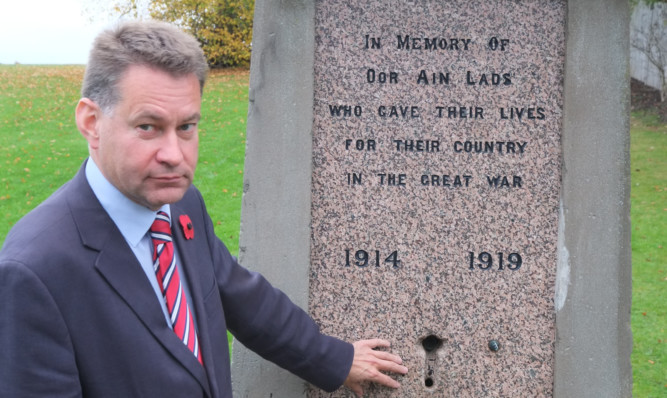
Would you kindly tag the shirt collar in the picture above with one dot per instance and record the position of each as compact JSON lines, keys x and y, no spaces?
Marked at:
{"x":132,"y":219}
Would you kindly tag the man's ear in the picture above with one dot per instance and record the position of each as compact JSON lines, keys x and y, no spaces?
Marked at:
{"x":88,"y":120}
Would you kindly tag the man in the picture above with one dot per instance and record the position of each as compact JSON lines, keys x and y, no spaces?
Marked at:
{"x":116,"y":285}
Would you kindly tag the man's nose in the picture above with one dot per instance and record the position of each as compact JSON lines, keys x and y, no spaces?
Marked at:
{"x":170,"y":151}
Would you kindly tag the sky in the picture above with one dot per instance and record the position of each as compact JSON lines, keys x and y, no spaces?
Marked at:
{"x":47,"y":31}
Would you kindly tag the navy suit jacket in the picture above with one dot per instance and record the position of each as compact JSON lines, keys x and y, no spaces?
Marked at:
{"x":78,"y":317}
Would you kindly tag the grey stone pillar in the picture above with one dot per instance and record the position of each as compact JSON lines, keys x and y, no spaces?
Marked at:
{"x":594,"y":340}
{"x":275,"y":217}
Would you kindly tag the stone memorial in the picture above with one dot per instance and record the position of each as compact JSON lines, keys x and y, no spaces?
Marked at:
{"x":450,"y":176}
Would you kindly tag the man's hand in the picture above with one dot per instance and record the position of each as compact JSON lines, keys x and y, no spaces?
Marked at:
{"x":368,"y":365}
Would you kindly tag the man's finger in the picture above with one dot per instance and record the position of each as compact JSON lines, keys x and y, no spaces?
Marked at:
{"x":387,"y":356}
{"x":393,"y":367}
{"x":369,"y":365}
{"x":383,"y":379}
{"x":374,"y":343}
{"x":356,"y":389}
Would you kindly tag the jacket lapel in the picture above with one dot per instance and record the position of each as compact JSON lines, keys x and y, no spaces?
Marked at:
{"x":120,"y":269}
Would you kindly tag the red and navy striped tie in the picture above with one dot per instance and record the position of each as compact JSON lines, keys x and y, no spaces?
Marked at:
{"x":169,"y":280}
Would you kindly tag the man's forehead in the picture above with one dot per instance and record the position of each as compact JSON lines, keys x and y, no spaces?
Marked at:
{"x":145,"y":81}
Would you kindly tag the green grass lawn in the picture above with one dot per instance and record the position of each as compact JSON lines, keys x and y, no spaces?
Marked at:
{"x":649,"y":255}
{"x":40,"y":149}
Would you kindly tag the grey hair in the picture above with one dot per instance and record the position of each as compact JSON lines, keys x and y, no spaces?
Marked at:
{"x":148,"y":43}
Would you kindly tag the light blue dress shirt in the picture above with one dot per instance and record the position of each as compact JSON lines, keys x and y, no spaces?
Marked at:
{"x":134,"y":220}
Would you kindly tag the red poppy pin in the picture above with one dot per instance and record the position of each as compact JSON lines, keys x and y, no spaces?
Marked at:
{"x":186,"y":225}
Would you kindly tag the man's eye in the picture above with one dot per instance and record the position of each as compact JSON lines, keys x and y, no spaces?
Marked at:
{"x":188,"y":126}
{"x":145,"y":127}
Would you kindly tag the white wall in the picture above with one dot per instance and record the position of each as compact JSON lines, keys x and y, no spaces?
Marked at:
{"x":640,"y":67}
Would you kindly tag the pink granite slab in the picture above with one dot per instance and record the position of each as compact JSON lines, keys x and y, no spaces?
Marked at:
{"x":419,"y":207}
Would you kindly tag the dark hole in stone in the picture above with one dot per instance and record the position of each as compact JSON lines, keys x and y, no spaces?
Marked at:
{"x":431,"y":343}
{"x":428,"y":382}
{"x":494,"y":345}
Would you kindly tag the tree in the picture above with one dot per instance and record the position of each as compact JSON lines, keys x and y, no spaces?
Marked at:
{"x":222,"y":27}
{"x":651,"y":40}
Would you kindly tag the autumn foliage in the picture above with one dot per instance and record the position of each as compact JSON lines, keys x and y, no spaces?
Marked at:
{"x":223,"y":27}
